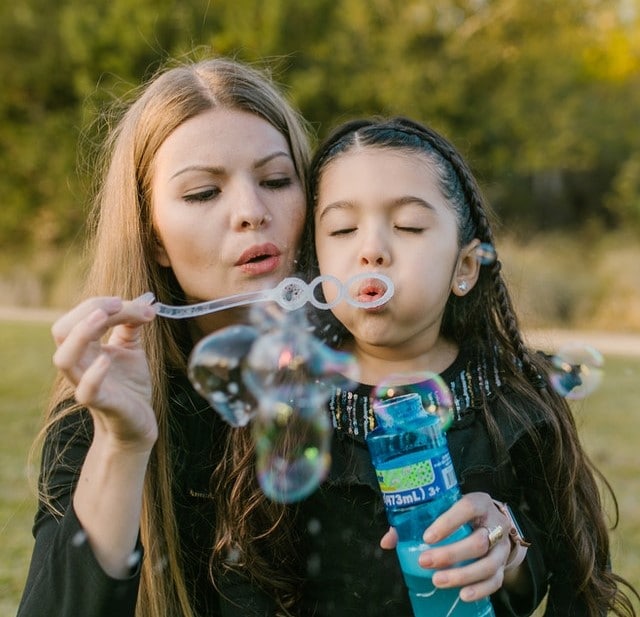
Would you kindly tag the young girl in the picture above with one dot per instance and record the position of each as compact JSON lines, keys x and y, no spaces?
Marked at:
{"x":145,"y":492}
{"x":396,"y":198}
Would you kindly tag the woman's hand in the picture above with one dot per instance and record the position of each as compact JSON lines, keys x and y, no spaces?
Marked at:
{"x":111,"y":378}
{"x":485,"y":575}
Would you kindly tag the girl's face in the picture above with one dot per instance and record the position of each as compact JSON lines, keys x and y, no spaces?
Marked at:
{"x":228,"y":206}
{"x":382,"y":210}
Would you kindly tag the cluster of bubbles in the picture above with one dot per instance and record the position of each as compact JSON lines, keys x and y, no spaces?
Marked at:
{"x":277,"y":377}
{"x":577,"y":371}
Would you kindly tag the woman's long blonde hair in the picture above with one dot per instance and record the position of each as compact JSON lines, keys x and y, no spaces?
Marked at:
{"x":122,"y":263}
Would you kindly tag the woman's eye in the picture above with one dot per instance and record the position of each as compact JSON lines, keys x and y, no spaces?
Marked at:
{"x":277,"y":183}
{"x":204,"y":195}
{"x":411,"y":230}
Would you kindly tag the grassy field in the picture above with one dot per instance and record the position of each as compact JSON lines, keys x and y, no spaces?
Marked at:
{"x":610,"y":431}
{"x":25,"y":362}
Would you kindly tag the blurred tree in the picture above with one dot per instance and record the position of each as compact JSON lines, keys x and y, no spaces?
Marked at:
{"x":542,"y":97}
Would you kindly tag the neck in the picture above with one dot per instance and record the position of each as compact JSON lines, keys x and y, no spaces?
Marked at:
{"x":377,"y":363}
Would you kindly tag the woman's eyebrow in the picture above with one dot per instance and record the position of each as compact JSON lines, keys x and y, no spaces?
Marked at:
{"x":264,"y":160}
{"x":215,"y":171}
{"x":219,"y":171}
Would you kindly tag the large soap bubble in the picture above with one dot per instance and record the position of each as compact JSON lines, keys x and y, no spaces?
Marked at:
{"x":215,"y":370}
{"x":433,"y":391}
{"x":292,"y":375}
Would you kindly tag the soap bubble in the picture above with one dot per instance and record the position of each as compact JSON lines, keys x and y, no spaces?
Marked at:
{"x":433,"y":391}
{"x":79,"y":538}
{"x":289,"y":361}
{"x":576,"y":371}
{"x":486,"y":253}
{"x":293,"y":374}
{"x":292,"y":449}
{"x":215,"y":370}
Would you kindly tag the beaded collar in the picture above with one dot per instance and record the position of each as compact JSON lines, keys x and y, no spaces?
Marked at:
{"x":472,"y":379}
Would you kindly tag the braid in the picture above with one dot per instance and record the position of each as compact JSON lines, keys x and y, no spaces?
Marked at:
{"x":474,"y":223}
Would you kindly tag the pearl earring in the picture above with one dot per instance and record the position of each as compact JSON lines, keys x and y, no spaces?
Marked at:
{"x":462,"y":286}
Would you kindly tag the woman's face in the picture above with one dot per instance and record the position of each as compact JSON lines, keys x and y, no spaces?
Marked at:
{"x":228,"y":206}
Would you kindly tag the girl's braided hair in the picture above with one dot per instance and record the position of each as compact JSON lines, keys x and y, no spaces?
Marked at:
{"x":485,"y":320}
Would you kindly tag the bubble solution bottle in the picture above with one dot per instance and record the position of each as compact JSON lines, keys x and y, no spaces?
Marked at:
{"x":413,"y":465}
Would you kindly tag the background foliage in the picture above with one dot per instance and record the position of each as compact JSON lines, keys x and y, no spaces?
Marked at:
{"x":542,"y":97}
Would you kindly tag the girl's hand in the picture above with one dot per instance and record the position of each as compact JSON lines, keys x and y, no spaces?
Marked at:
{"x":111,"y":378}
{"x":485,"y":575}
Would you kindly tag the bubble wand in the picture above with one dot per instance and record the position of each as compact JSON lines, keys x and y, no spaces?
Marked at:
{"x":291,"y":293}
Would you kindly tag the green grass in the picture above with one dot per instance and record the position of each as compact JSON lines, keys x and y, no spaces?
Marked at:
{"x":610,"y":430}
{"x":607,"y":421}
{"x":27,"y":371}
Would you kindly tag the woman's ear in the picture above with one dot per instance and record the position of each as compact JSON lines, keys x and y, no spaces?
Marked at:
{"x":467,"y":269}
{"x":159,"y":252}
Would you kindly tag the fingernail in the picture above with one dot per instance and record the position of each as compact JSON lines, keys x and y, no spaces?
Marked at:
{"x":146,"y":298}
{"x":113,"y":303}
{"x":149,"y":311}
{"x":97,"y":317}
{"x":429,"y":536}
{"x":425,"y":561}
{"x":467,"y":594}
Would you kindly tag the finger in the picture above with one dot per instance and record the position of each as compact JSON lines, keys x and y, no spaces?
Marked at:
{"x":473,"y":547}
{"x":65,"y":324}
{"x":485,"y":574}
{"x":88,"y":388}
{"x":390,"y":539}
{"x":132,"y":317}
{"x":480,"y":586}
{"x":71,"y":355}
{"x":465,"y":510}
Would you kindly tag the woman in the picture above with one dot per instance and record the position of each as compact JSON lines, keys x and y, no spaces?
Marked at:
{"x":202,"y":196}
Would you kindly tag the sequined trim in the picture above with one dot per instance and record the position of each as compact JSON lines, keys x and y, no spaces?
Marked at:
{"x":471,"y":382}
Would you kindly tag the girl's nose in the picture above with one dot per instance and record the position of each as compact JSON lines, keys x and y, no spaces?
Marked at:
{"x":375,"y":253}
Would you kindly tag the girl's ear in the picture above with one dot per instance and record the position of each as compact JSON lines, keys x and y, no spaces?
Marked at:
{"x":467,"y":269}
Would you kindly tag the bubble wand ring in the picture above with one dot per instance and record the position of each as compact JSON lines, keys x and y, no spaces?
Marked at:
{"x":291,"y":293}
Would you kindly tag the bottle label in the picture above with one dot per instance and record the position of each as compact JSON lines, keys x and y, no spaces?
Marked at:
{"x":418,"y":482}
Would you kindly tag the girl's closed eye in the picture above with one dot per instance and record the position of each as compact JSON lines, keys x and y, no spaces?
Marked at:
{"x":342,"y":231}
{"x":410,"y":229}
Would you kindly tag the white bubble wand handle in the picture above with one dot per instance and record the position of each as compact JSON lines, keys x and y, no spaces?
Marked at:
{"x":291,"y":293}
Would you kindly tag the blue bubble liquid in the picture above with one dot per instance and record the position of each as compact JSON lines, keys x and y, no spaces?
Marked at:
{"x":410,"y":454}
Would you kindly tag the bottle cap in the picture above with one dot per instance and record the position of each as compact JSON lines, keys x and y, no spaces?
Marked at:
{"x":398,"y":409}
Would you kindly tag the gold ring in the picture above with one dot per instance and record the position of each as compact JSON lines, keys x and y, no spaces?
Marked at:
{"x":494,"y":535}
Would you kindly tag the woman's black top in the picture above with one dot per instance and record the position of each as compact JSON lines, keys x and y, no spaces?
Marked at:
{"x":345,"y":572}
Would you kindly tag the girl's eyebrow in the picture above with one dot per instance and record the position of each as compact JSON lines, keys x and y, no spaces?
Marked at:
{"x":412,"y":199}
{"x":396,"y":203}
{"x":336,"y":205}
{"x":219,"y":171}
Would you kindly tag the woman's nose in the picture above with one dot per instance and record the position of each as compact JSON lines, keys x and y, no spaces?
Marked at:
{"x":249,"y":211}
